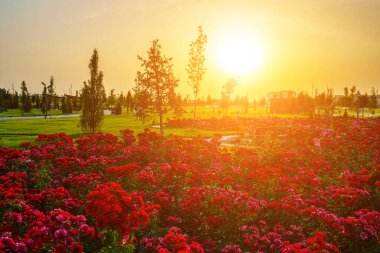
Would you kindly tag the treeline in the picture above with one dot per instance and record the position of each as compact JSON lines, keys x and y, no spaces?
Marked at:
{"x":321,"y":103}
{"x":44,"y":101}
{"x":324,"y":103}
{"x":353,"y":99}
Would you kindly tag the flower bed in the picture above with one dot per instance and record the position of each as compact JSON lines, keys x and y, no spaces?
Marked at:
{"x":316,"y":188}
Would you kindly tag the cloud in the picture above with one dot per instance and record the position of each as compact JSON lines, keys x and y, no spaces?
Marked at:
{"x":94,"y":14}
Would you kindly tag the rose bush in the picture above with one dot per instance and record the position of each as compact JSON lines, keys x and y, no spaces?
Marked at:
{"x":287,"y":185}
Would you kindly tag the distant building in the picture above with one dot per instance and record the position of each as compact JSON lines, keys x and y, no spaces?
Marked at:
{"x":282,"y":94}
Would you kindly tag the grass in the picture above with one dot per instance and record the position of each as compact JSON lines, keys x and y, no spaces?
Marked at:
{"x":352,"y":112}
{"x":33,"y":112}
{"x":13,"y":132}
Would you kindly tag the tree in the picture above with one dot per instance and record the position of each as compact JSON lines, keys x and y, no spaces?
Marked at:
{"x":25,"y":104}
{"x":325,"y":102}
{"x":363,"y":102}
{"x":5,"y":99}
{"x":155,"y":84}
{"x":48,"y":94}
{"x":177,"y":106}
{"x":64,"y":107}
{"x":353,"y":96}
{"x":373,"y":100}
{"x":92,"y":98}
{"x":76,"y":104}
{"x":129,"y":101}
{"x":346,"y":101}
{"x":196,"y":68}
{"x":111,"y":100}
{"x":69,"y":106}
{"x":329,"y":102}
{"x":37,"y":100}
{"x":227,"y":90}
{"x":245,"y":103}
{"x":15,"y":98}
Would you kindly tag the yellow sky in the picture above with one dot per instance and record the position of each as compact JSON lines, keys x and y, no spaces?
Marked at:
{"x":324,"y":43}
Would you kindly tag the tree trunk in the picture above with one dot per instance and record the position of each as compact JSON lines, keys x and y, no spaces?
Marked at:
{"x":195,"y":104}
{"x":161,"y":126}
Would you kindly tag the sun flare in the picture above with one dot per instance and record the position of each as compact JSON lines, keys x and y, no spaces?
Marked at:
{"x":239,"y":53}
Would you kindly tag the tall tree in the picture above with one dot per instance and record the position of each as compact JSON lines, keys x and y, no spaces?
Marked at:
{"x":5,"y":99}
{"x":64,"y":107}
{"x":156,"y":82}
{"x":373,"y":100}
{"x":196,"y":66}
{"x":118,"y":109}
{"x":15,"y":99}
{"x":48,"y":94}
{"x":69,"y":106}
{"x":129,"y":101}
{"x":346,"y":100}
{"x":111,"y":99}
{"x":329,"y":102}
{"x":25,"y":103}
{"x":93,"y":94}
{"x":353,"y":96}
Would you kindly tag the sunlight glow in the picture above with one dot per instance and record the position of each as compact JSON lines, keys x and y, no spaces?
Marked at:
{"x":239,"y":53}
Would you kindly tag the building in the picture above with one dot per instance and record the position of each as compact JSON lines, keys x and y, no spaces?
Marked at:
{"x":281,"y":94}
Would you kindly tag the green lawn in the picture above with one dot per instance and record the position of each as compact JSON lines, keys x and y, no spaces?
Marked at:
{"x":33,"y":112}
{"x":13,"y":132}
{"x":352,"y":112}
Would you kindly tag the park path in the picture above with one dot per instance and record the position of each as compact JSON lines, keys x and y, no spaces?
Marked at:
{"x":41,"y":117}
{"x":225,"y":140}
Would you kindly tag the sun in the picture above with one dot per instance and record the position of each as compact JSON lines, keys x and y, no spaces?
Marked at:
{"x":239,"y":53}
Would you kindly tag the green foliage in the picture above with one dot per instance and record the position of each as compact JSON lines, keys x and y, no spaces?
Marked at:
{"x":25,"y":104}
{"x":115,"y":243}
{"x":111,"y":99}
{"x":5,"y":99}
{"x":48,"y":94}
{"x":325,"y":102}
{"x":15,"y":98}
{"x":155,"y":84}
{"x":129,"y":101}
{"x":373,"y":99}
{"x":117,"y":109}
{"x":64,"y":107}
{"x":196,"y":66}
{"x":92,"y":98}
{"x":69,"y":106}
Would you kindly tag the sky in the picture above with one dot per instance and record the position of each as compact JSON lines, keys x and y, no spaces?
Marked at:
{"x":305,"y":44}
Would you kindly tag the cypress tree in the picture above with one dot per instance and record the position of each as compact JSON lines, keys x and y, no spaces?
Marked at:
{"x":92,"y":98}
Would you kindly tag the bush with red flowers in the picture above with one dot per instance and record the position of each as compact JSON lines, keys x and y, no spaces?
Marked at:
{"x":285,"y":185}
